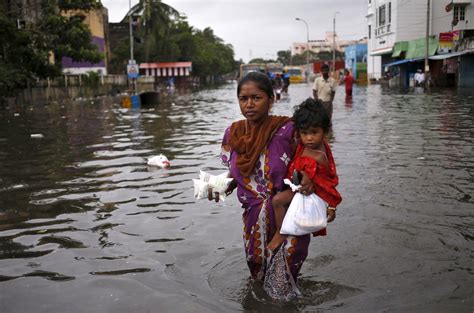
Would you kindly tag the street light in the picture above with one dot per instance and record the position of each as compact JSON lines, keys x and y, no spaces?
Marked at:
{"x":307,"y":41}
{"x":334,"y":42}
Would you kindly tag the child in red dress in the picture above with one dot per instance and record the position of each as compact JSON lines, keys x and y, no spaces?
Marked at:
{"x":313,"y":160}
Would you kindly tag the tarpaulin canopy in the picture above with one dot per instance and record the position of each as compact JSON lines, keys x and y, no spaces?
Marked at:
{"x":400,"y":46}
{"x":417,"y":47}
{"x":448,"y":55}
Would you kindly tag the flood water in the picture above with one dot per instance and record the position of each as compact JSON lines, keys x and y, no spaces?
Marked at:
{"x":87,"y":226}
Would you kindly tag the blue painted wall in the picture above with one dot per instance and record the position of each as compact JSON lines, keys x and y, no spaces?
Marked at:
{"x":355,"y":54}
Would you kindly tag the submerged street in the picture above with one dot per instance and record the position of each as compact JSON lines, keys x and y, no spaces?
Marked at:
{"x":84,"y":222}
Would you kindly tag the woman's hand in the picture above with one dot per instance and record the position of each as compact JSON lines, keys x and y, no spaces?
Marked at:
{"x":212,"y":195}
{"x":331,"y":214}
{"x":307,"y":185}
{"x":230,"y":189}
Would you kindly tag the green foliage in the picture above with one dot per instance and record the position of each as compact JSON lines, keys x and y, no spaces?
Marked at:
{"x":25,"y":53}
{"x":285,"y":57}
{"x":165,"y":36}
{"x":91,"y":79}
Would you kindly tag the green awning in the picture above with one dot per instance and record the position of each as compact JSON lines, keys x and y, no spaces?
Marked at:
{"x":417,"y":47}
{"x":401,"y":46}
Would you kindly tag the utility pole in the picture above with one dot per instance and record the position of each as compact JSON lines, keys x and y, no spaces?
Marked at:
{"x":131,"y":29}
{"x":427,"y":42}
{"x":334,"y":43}
{"x":307,"y":43}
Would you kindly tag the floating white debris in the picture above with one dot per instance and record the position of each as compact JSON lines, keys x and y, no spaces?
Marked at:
{"x":173,"y":104}
{"x":421,"y":158}
{"x":16,"y":114}
{"x":37,"y":136}
{"x":159,"y":160}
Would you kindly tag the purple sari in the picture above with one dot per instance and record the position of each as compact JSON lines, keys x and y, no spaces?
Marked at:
{"x":256,"y":193}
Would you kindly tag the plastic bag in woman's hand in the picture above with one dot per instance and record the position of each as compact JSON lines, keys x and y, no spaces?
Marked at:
{"x":218,"y":183}
{"x":201,"y":189}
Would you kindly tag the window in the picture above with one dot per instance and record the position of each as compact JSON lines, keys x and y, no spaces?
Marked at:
{"x":370,"y":31}
{"x":382,"y":15}
{"x":389,"y":12}
{"x":459,"y":13}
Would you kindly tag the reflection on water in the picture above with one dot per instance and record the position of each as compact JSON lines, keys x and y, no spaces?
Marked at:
{"x":83,"y":218}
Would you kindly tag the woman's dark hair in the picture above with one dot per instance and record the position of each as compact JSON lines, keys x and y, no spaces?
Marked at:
{"x":311,"y":113}
{"x":261,"y":80}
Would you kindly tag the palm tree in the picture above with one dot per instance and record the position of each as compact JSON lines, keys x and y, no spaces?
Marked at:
{"x":155,"y":18}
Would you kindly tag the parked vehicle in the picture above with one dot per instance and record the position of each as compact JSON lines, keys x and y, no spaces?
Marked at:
{"x":253,"y":67}
{"x":296,"y":74}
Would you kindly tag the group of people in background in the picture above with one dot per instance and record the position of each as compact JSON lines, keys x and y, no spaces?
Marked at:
{"x":280,"y":83}
{"x":324,"y":87}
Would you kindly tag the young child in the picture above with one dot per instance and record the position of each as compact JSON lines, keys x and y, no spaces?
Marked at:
{"x":313,"y":160}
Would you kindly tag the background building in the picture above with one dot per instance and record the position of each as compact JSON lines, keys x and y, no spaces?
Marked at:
{"x":355,"y":58}
{"x":323,"y":45}
{"x":97,"y":20}
{"x":397,"y":40}
{"x":26,"y":12}
{"x":389,"y":21}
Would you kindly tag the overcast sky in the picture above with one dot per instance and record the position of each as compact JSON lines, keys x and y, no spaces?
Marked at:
{"x":260,"y":28}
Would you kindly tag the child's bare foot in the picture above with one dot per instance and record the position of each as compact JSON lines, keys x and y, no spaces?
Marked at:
{"x":276,"y":241}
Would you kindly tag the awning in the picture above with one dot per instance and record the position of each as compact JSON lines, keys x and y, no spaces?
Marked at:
{"x":400,"y":46}
{"x":381,"y":51}
{"x":417,"y":47}
{"x":399,"y":62}
{"x":448,"y":55}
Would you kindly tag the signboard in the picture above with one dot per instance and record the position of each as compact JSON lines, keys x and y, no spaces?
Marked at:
{"x":132,"y":69}
{"x":445,"y":44}
{"x":447,"y":41}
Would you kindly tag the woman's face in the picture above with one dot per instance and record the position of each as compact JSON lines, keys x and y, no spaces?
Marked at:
{"x":254,"y":103}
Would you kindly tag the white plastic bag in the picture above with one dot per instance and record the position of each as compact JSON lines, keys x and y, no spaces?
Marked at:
{"x":306,"y":214}
{"x":218,"y":183}
{"x":200,"y":189}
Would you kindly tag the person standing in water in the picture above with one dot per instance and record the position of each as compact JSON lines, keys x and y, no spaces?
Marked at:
{"x":258,"y":150}
{"x":324,"y":89}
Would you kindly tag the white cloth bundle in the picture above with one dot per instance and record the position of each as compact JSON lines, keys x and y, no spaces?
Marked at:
{"x":306,"y":214}
{"x":218,"y":183}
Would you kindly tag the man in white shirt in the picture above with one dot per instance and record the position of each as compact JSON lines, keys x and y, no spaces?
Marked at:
{"x":419,"y":78}
{"x":324,"y":89}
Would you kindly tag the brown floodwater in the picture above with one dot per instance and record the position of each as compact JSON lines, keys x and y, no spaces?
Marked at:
{"x":87,"y":226}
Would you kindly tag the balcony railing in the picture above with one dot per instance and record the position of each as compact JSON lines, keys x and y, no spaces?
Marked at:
{"x":383,"y":30}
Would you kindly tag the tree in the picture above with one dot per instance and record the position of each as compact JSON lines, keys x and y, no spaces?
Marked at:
{"x":284,"y":56}
{"x":26,"y":53}
{"x":155,"y":22}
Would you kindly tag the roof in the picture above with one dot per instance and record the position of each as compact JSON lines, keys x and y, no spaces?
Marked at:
{"x":399,"y":62}
{"x":417,"y":47}
{"x":166,"y":65}
{"x":449,"y":55}
{"x":399,"y":47}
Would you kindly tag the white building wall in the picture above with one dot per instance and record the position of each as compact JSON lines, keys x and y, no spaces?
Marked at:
{"x":441,"y":20}
{"x":405,"y":20}
{"x":411,"y":19}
